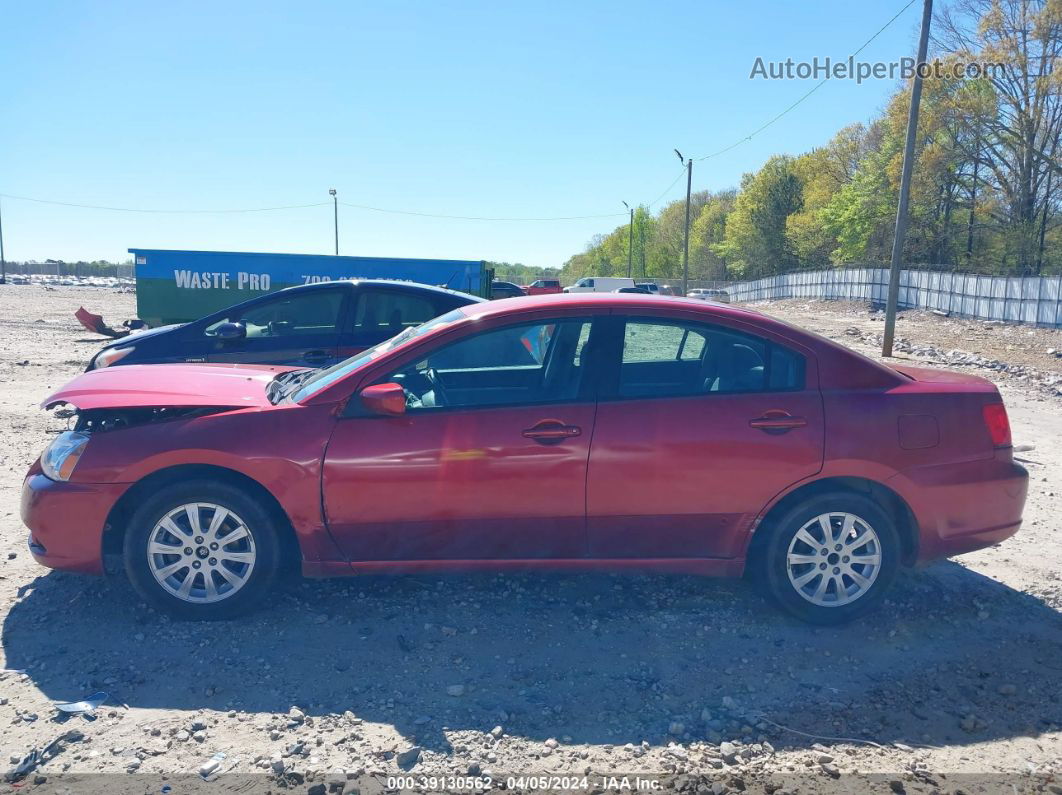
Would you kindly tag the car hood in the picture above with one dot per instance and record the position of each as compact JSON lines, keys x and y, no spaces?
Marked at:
{"x":168,"y":385}
{"x":138,"y":336}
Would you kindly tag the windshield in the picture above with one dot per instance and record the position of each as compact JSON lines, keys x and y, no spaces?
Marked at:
{"x":325,"y":378}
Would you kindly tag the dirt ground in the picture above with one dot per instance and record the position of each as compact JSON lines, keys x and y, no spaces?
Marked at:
{"x":956,"y":685}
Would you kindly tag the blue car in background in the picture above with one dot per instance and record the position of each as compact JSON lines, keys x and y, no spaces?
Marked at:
{"x":313,"y":325}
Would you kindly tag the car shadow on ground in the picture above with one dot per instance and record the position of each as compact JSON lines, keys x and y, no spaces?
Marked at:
{"x":952,"y":658}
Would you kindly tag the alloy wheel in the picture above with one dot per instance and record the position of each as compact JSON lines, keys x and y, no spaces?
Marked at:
{"x":834,"y":559}
{"x":201,"y":552}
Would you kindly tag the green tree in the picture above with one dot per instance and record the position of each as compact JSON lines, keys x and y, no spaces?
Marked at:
{"x":756,"y":242}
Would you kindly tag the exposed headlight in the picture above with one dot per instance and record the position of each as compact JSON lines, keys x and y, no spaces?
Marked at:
{"x":61,"y":456}
{"x":108,"y":357}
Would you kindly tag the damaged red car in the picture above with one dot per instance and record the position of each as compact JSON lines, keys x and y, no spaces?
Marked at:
{"x":575,"y":431}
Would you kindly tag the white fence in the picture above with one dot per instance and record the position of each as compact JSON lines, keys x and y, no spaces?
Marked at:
{"x":1019,"y":299}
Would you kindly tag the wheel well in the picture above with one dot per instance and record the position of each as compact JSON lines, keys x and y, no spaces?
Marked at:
{"x":118,"y":518}
{"x":889,"y":500}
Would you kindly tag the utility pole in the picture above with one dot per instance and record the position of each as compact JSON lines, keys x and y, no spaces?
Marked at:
{"x":686,"y":233}
{"x":630,"y":240}
{"x":905,"y":184}
{"x":335,"y":208}
{"x":3,"y":262}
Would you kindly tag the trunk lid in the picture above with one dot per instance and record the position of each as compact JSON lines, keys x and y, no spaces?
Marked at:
{"x":930,"y":375}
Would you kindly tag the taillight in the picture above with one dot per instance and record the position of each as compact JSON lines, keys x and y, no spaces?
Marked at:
{"x":997,"y":423}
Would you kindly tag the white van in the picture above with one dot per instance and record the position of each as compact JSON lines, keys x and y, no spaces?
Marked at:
{"x":599,"y":284}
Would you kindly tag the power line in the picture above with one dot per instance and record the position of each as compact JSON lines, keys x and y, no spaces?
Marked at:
{"x":666,"y":190}
{"x":158,"y":211}
{"x":756,"y":132}
{"x":296,"y":207}
{"x":476,"y":217}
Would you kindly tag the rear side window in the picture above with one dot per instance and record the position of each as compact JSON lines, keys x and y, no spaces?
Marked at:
{"x":391,"y":311}
{"x":786,"y":370}
{"x":662,"y":359}
{"x":647,"y":342}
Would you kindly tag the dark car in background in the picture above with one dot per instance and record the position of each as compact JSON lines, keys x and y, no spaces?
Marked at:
{"x":499,"y":289}
{"x":313,"y":325}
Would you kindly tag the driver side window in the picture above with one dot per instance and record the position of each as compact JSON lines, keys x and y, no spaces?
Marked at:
{"x":312,"y":312}
{"x":516,"y":365}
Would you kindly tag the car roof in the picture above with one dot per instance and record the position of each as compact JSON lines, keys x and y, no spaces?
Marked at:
{"x":389,"y":283}
{"x":573,"y":301}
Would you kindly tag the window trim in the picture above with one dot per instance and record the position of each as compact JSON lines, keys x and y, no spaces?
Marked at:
{"x":609,"y":385}
{"x":588,"y":386}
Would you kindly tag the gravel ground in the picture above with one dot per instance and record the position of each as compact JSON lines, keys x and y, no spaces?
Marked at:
{"x":955,"y":685}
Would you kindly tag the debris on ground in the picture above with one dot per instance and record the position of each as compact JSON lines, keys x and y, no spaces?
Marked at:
{"x":85,"y":708}
{"x":39,"y":756}
{"x":95,"y":324}
{"x":211,"y":767}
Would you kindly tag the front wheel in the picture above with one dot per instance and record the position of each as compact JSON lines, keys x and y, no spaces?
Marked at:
{"x":831,"y":558}
{"x":201,"y":550}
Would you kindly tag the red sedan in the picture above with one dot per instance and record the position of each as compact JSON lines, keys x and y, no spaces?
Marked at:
{"x":588,"y":430}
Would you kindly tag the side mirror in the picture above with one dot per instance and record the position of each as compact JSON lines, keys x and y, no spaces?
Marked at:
{"x":386,"y":399}
{"x":231,"y":331}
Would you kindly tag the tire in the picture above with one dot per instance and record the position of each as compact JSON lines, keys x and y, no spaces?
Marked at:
{"x":793,"y":569}
{"x":240,"y":556}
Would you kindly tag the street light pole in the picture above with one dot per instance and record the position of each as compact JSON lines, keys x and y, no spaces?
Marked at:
{"x":905,"y":185}
{"x":335,"y":208}
{"x":630,"y":240}
{"x":686,"y":233}
{"x":3,"y":262}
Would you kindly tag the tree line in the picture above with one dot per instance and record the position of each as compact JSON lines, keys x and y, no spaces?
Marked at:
{"x":986,"y":191}
{"x":58,"y":267}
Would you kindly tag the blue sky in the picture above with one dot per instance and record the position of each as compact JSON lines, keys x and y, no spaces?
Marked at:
{"x":459,"y":108}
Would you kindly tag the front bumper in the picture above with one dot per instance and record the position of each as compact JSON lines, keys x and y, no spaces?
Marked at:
{"x":964,"y":507}
{"x":66,"y":521}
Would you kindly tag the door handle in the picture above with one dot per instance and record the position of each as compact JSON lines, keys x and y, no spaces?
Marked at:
{"x":551,"y":431}
{"x":315,"y":356}
{"x":777,"y":422}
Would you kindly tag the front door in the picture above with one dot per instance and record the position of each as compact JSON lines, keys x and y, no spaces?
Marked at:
{"x":488,"y":462}
{"x":699,"y":428}
{"x":300,"y":330}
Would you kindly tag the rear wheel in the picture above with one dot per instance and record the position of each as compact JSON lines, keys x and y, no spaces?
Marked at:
{"x":831,"y":558}
{"x":201,"y":550}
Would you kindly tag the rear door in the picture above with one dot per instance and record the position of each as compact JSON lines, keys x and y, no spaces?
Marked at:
{"x":698,"y":427}
{"x":380,"y":313}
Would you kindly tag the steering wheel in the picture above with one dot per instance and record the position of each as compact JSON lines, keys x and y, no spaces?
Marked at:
{"x":437,"y":388}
